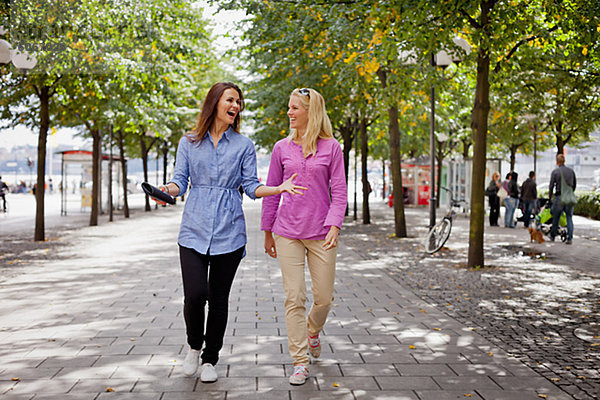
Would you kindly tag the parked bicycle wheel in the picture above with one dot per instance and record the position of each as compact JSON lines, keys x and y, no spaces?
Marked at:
{"x":438,"y":235}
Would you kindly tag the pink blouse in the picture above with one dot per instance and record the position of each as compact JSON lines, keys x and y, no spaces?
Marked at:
{"x":307,"y":216}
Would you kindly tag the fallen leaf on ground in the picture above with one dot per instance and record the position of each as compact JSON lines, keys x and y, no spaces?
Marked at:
{"x":411,"y":347}
{"x":16,"y":379}
{"x":335,"y":384}
{"x":108,"y":389}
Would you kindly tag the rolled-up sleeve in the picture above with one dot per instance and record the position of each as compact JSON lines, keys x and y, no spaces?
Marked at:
{"x":249,"y":180}
{"x":339,"y":190}
{"x":271,"y":203}
{"x":181,"y":175}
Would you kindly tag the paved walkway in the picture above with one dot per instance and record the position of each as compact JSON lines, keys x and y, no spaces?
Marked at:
{"x":101,"y":319}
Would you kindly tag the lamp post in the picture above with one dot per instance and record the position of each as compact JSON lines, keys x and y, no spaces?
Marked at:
{"x":20,"y":59}
{"x":440,"y":59}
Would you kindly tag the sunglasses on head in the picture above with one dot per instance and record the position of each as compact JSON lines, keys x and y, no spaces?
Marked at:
{"x":304,"y":92}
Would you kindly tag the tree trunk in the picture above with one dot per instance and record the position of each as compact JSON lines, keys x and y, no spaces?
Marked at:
{"x":145,"y":151}
{"x":366,"y":187}
{"x":347,"y":136}
{"x":479,"y":126}
{"x":560,"y":143}
{"x":44,"y":96}
{"x":394,"y":142}
{"x":513,"y":157}
{"x":165,"y":153}
{"x":123,"y":173}
{"x":383,"y":179}
{"x":96,"y":171}
{"x":466,"y":146}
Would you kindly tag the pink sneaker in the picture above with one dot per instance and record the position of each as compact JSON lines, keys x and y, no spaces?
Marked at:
{"x":314,"y":346}
{"x":299,"y":376}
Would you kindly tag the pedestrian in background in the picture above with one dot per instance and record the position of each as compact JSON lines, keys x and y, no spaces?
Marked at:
{"x":561,"y":174}
{"x":529,"y":197}
{"x":3,"y":192}
{"x":216,"y":160}
{"x":511,"y":202}
{"x":306,"y":228}
{"x":492,"y":194}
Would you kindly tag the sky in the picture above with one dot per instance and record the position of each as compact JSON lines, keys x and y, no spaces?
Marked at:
{"x":222,"y":23}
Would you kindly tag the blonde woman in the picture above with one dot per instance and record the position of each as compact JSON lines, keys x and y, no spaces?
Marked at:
{"x":492,"y":194}
{"x":306,"y":228}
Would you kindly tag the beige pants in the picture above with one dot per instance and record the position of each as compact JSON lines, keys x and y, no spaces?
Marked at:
{"x":291,"y":254}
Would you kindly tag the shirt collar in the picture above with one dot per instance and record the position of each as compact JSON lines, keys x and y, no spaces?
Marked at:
{"x":229,"y":131}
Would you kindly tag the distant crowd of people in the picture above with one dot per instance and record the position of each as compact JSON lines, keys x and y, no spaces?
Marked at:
{"x":560,"y":198}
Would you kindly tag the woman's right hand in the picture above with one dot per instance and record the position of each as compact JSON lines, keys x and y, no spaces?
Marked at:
{"x":290,"y":187}
{"x":270,"y":245}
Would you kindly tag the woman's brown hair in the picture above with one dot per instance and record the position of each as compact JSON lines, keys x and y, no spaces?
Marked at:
{"x":207,"y":115}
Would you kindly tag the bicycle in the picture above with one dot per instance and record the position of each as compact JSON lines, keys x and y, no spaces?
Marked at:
{"x":439,"y":234}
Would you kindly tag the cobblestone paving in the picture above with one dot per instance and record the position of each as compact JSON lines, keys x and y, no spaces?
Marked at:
{"x":524,"y":302}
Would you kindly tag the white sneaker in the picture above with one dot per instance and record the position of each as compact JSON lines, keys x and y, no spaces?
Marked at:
{"x":209,"y":373}
{"x":190,"y":364}
{"x":299,"y":376}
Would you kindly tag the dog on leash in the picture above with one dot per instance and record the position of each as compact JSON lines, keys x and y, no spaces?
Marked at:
{"x":535,"y":235}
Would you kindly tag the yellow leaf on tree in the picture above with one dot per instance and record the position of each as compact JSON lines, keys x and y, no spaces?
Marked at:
{"x":371,"y":66}
{"x":350,"y":58}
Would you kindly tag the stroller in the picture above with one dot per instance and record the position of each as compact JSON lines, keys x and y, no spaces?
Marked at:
{"x":543,"y":220}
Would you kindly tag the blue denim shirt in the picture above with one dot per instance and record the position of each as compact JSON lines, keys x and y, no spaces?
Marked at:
{"x":213,"y":220}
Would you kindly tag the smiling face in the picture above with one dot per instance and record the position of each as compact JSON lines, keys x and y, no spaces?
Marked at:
{"x":298,"y":114}
{"x":228,"y":107}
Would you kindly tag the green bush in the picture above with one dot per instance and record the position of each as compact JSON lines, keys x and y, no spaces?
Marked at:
{"x":588,"y":205}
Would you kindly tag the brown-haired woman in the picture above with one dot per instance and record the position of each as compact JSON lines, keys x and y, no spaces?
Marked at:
{"x":214,"y":160}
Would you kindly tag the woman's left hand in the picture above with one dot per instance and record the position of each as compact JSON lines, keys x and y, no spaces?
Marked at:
{"x":331,"y":240}
{"x":290,"y":187}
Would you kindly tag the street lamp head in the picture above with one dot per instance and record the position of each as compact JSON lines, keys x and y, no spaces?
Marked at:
{"x":23,"y":60}
{"x":408,"y":57}
{"x":442,"y":59}
{"x":463,"y":44}
{"x":5,"y":52}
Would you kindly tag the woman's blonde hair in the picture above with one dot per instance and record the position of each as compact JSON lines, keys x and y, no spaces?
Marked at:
{"x":318,"y":126}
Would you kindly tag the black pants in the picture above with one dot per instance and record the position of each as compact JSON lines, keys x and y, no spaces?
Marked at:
{"x":3,"y":201}
{"x":207,"y":278}
{"x":494,"y":210}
